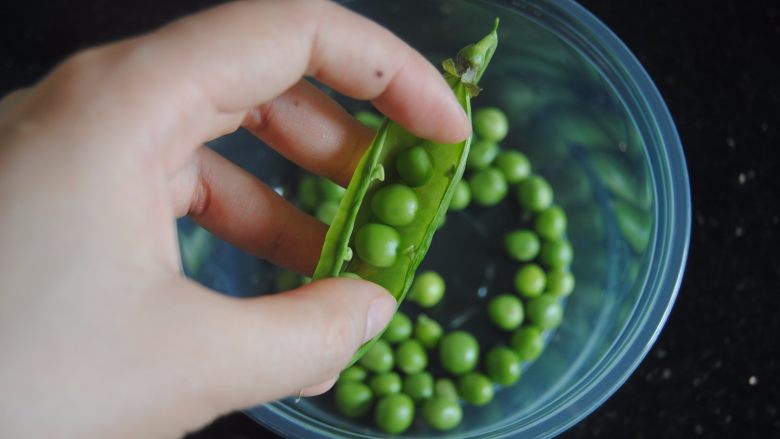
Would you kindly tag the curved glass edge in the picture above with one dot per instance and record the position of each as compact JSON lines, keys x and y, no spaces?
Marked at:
{"x":273,"y":422}
{"x":675,"y":211}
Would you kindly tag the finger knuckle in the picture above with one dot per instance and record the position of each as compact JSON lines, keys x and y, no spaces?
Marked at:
{"x":80,"y":67}
{"x":258,"y":119}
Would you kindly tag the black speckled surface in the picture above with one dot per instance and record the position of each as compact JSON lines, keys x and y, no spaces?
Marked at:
{"x":714,"y":370}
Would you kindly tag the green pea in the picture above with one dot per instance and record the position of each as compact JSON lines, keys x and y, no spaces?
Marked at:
{"x":506,"y":311}
{"x":442,"y":221}
{"x":427,"y":289}
{"x":353,"y":398}
{"x":350,"y":275}
{"x":442,"y":413}
{"x":368,"y":118}
{"x":488,"y":187}
{"x":528,"y":342}
{"x":394,"y":413}
{"x":419,"y":386}
{"x":410,"y":356}
{"x":560,"y":282}
{"x":482,"y":154}
{"x":534,"y":193}
{"x":327,"y":211}
{"x":491,"y":123}
{"x":353,"y":373}
{"x":385,"y":384}
{"x":461,"y":197}
{"x":521,"y":245}
{"x":330,"y":191}
{"x":556,"y":254}
{"x":428,"y":331}
{"x":530,"y":280}
{"x":503,"y":366}
{"x":308,"y":193}
{"x":415,"y":166}
{"x":379,"y":358}
{"x":458,"y":352}
{"x":514,"y":165}
{"x":445,"y":388}
{"x":395,"y":204}
{"x":399,"y":328}
{"x":287,"y":280}
{"x":377,"y":244}
{"x":476,"y":389}
{"x":551,"y":223}
{"x":545,"y":311}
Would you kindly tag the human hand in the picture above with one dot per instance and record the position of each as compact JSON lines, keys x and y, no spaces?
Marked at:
{"x":100,"y":335}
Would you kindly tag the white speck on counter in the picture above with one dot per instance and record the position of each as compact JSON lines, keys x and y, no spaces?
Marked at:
{"x":666,"y":373}
{"x":698,"y":429}
{"x":742,"y":178}
{"x":482,"y":292}
{"x":739,"y":231}
{"x":731,"y":142}
{"x":753,"y":380}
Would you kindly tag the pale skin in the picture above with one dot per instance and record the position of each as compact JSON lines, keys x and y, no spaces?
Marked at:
{"x":100,"y":334}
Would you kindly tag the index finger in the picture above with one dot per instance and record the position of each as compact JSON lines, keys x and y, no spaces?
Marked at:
{"x":214,"y":66}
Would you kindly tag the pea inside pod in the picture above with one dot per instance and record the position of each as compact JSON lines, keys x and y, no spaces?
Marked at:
{"x":391,"y":236}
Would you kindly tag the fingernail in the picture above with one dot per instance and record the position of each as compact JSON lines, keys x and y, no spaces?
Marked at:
{"x":380,"y":311}
{"x":465,"y":125}
{"x":318,"y":389}
{"x":466,"y":122}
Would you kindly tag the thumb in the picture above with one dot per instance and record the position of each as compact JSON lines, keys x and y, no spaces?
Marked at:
{"x":275,"y":346}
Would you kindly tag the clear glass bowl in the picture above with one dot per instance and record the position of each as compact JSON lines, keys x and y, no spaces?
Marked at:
{"x":592,"y":122}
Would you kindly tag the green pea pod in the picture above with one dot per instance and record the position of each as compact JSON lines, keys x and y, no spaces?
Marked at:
{"x":377,"y":169}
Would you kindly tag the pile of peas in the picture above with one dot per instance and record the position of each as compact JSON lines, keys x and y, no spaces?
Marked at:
{"x":396,"y":377}
{"x":320,"y":197}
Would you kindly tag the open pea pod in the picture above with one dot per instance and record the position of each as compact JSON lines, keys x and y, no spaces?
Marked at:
{"x":378,"y":169}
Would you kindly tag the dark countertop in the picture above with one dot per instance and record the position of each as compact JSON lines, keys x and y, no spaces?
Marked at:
{"x":714,"y":370}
